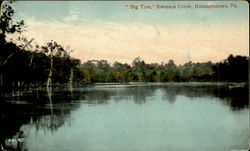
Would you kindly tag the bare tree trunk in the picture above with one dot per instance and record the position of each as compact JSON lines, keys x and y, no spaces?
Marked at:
{"x":2,"y":35}
{"x":31,"y":60}
{"x":49,"y":81}
{"x":1,"y":80}
{"x":71,"y":77}
{"x":1,"y":2}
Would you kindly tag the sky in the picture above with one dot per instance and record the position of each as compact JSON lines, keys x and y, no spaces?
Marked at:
{"x":114,"y":31}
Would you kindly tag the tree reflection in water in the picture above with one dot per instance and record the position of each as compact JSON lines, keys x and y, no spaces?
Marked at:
{"x":50,"y":109}
{"x":34,"y":108}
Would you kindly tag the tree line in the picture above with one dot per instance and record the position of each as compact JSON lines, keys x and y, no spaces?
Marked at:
{"x":232,"y":69}
{"x":23,"y":64}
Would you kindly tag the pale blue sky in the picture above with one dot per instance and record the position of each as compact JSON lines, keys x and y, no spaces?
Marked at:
{"x":116,"y":11}
{"x":109,"y":30}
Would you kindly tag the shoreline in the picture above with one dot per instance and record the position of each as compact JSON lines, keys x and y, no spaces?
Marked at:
{"x":191,"y":84}
{"x":132,"y":84}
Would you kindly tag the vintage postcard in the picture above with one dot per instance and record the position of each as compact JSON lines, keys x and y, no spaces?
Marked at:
{"x":124,"y":75}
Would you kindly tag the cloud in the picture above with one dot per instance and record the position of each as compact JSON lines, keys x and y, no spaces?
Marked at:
{"x":124,"y":42}
{"x":73,"y":16}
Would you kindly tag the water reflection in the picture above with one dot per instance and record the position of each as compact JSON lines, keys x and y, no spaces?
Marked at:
{"x":48,"y":110}
{"x":49,"y":91}
{"x":237,"y":98}
{"x":33,"y":108}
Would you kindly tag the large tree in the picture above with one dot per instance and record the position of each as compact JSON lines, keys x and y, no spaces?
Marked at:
{"x":52,"y":49}
{"x":7,"y":25}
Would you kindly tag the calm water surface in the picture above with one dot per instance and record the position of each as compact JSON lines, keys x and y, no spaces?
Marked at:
{"x":122,"y":118}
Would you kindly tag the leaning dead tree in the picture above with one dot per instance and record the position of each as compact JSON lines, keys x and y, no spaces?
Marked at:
{"x":1,"y":2}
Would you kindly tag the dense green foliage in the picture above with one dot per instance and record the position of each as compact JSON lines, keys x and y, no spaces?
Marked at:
{"x":21,"y":66}
{"x":233,"y":69}
{"x":52,"y":64}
